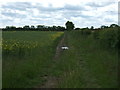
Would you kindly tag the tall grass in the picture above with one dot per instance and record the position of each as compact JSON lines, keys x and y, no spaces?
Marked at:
{"x":27,"y":57}
{"x":86,"y":64}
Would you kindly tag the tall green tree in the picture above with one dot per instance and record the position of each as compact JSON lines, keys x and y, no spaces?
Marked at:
{"x":69,"y":25}
{"x":92,"y":28}
{"x":103,"y":27}
{"x":113,"y":25}
{"x":26,"y":27}
{"x":32,"y":27}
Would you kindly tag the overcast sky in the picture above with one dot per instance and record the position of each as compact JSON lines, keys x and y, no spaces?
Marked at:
{"x":83,"y":13}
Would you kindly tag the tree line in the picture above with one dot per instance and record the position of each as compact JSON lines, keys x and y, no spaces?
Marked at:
{"x":108,"y":36}
{"x":33,"y":28}
{"x":68,"y":26}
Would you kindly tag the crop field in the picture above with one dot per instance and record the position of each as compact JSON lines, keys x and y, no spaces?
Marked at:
{"x":27,"y":56}
{"x":90,"y":62}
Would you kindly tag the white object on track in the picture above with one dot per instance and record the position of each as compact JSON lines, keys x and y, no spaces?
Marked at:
{"x":64,"y":48}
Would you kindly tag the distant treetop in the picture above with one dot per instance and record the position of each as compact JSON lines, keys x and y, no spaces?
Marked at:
{"x":69,"y":25}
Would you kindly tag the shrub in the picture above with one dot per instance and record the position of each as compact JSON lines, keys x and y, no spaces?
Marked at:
{"x":109,"y":38}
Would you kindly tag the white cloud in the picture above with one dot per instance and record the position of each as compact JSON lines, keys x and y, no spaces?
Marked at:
{"x":83,"y":13}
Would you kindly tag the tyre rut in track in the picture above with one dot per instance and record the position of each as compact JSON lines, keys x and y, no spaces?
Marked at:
{"x":51,"y":82}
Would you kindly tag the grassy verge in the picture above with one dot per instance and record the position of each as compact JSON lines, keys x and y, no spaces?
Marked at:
{"x":86,"y":64}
